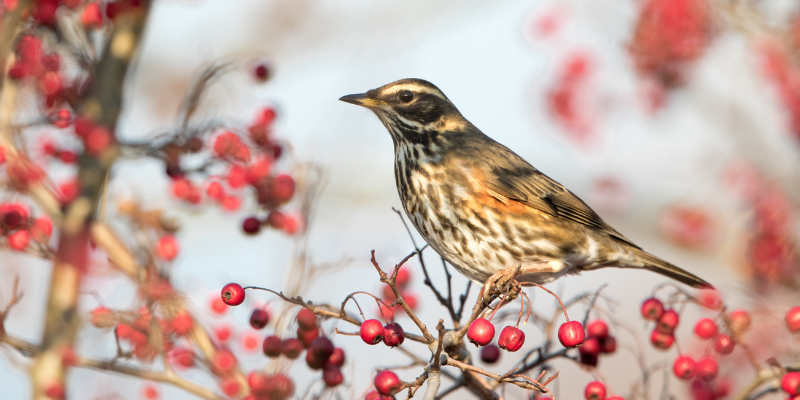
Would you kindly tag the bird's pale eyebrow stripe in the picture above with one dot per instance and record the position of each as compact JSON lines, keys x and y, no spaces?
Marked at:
{"x":416,"y":88}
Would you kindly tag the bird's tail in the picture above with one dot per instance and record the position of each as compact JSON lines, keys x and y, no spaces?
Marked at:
{"x":662,"y":267}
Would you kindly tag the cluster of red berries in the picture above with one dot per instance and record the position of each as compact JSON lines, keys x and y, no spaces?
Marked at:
{"x":34,"y":65}
{"x":19,"y":228}
{"x":663,"y":335}
{"x":403,"y":284}
{"x":481,"y":332}
{"x":598,"y":341}
{"x":373,"y":332}
{"x":668,"y":35}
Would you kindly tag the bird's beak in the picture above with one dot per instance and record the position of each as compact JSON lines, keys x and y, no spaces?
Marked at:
{"x":362,"y":100}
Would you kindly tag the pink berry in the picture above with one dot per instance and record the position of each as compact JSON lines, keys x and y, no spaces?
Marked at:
{"x":490,"y":353}
{"x":481,"y":332}
{"x":372,"y":331}
{"x":723,"y":344}
{"x":790,"y":383}
{"x":705,"y":328}
{"x":706,"y":369}
{"x":590,"y":346}
{"x":615,"y":398}
{"x":595,"y":391}
{"x":403,"y":277}
{"x":306,"y":319}
{"x":683,"y":367}
{"x":652,"y":309}
{"x":661,"y":341}
{"x":259,"y":318}
{"x":793,"y":319}
{"x":336,"y":358}
{"x":167,"y":247}
{"x":393,"y":334}
{"x":322,"y":348}
{"x":332,"y":376}
{"x":387,"y":383}
{"x":272,"y":346}
{"x":291,"y":348}
{"x":233,"y":294}
{"x":511,"y":339}
{"x":307,"y":336}
{"x":571,"y":334}
{"x":740,"y":321}
{"x":598,"y":329}
{"x":668,"y":322}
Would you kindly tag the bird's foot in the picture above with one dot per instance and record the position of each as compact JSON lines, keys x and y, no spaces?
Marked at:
{"x":501,"y":283}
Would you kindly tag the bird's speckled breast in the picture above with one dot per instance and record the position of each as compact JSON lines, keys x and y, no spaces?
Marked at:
{"x":472,"y":230}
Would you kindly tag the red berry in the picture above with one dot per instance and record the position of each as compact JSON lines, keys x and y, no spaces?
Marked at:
{"x":668,"y":322}
{"x":223,"y":362}
{"x":258,"y":382}
{"x":306,"y":319}
{"x":590,"y":346}
{"x":683,"y":367}
{"x":218,"y":305}
{"x":372,"y":331}
{"x":387,"y":383}
{"x":167,"y":247}
{"x":790,"y":383}
{"x":393,"y":334}
{"x":793,"y":319}
{"x":706,"y":369}
{"x":233,"y":294}
{"x":336,"y":358}
{"x":272,"y":346}
{"x":511,"y":339}
{"x":740,"y":321}
{"x":705,"y":328}
{"x":723,"y":344}
{"x":615,"y":398}
{"x":261,"y":72}
{"x":571,"y":334}
{"x":19,"y":240}
{"x":291,"y":348}
{"x":259,"y":318}
{"x":230,"y":386}
{"x":332,"y":376}
{"x":312,"y":361}
{"x":222,"y":333}
{"x":307,"y":336}
{"x":661,"y":341}
{"x":608,"y":345}
{"x":410,"y":299}
{"x":595,"y":391}
{"x":322,"y":348}
{"x":652,"y":309}
{"x":481,"y":332}
{"x":251,"y":225}
{"x":490,"y":353}
{"x":598,"y":329}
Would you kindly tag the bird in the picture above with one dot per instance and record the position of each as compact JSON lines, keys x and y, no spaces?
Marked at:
{"x":483,"y":208}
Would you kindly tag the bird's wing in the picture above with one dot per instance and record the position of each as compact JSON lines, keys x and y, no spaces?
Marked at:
{"x":510,"y":176}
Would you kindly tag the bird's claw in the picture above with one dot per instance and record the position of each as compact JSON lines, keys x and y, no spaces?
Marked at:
{"x":501,"y":282}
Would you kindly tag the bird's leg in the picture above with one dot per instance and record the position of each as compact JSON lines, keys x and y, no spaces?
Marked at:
{"x":501,"y":282}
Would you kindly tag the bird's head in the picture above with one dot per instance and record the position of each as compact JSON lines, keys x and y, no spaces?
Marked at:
{"x":412,"y":110}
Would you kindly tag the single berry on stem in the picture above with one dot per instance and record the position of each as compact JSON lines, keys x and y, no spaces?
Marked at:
{"x":595,"y":391}
{"x":652,"y":309}
{"x":683,"y":367}
{"x":490,"y":353}
{"x":790,"y":383}
{"x":724,"y":344}
{"x":251,"y":225}
{"x":705,"y":328}
{"x":387,"y":383}
{"x":322,"y":348}
{"x":668,"y":322}
{"x":291,"y":348}
{"x":233,"y":294}
{"x":393,"y":334}
{"x":598,"y":329}
{"x":332,"y":376}
{"x":793,"y":319}
{"x":481,"y":332}
{"x":706,"y":368}
{"x":272,"y":346}
{"x":259,"y":318}
{"x":337,"y":357}
{"x":571,"y":334}
{"x":511,"y":338}
{"x":372,"y":331}
{"x":306,"y":319}
{"x":661,"y":341}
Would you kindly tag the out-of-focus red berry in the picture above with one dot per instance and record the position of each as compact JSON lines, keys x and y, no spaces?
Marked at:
{"x":723,"y":344}
{"x":706,"y":368}
{"x":652,"y":309}
{"x":332,"y":376}
{"x":167,"y":247}
{"x":790,"y":383}
{"x":291,"y":348}
{"x":306,"y":318}
{"x":660,"y":340}
{"x":597,"y":328}
{"x":337,"y":358}
{"x":705,"y":328}
{"x":259,"y":318}
{"x":793,"y":319}
{"x":683,"y":367}
{"x":595,"y":391}
{"x":272,"y":346}
{"x":740,"y":321}
{"x":490,"y":353}
{"x":668,"y":322}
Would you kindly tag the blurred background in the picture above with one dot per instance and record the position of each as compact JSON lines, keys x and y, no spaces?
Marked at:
{"x":677,"y":121}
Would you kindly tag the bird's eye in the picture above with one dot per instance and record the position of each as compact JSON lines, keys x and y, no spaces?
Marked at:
{"x":406,"y":96}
